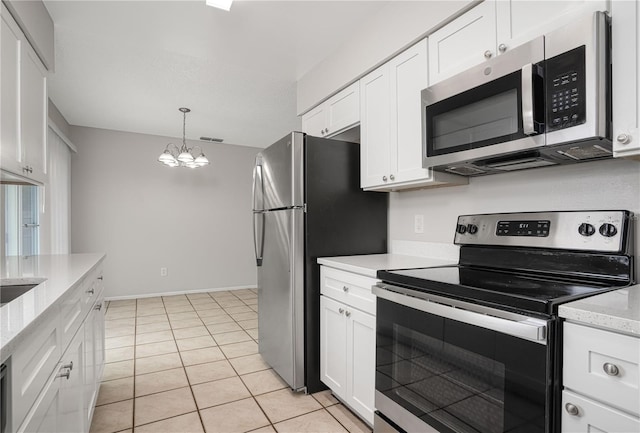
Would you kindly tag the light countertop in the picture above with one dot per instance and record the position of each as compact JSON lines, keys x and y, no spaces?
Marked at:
{"x":62,"y":273}
{"x":368,"y":265}
{"x":618,"y":311}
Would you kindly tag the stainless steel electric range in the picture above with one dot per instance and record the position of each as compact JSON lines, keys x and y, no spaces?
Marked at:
{"x":476,"y":347}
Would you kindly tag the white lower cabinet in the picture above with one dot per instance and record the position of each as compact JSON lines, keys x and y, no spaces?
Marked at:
{"x":53,"y":392}
{"x":347,"y":350}
{"x":601,"y":378}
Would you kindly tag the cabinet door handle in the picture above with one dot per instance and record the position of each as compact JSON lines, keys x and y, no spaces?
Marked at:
{"x":68,"y":366}
{"x":345,"y":289}
{"x":572,"y":409}
{"x":100,"y":277}
{"x":611,"y":369}
{"x":340,"y":310}
{"x":502,"y":48}
{"x":98,"y":306}
{"x":91,"y":291}
{"x":488,"y":54}
{"x":348,"y":313}
{"x":384,"y":178}
{"x":392,"y":177}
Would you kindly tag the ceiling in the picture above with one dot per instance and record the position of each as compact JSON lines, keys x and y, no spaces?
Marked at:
{"x":129,"y":65}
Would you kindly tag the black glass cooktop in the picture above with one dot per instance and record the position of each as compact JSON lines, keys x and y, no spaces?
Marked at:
{"x":499,"y":289}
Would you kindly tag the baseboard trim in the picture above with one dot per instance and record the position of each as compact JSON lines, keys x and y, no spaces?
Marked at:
{"x":182,"y":292}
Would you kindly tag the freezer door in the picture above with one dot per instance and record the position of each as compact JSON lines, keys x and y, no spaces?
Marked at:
{"x":281,"y":295}
{"x":282,"y":172}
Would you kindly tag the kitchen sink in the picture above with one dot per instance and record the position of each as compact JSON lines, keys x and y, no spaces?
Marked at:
{"x":11,"y":292}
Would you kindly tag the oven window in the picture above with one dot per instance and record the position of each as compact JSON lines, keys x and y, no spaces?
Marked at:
{"x":458,"y":377}
{"x":489,"y":118}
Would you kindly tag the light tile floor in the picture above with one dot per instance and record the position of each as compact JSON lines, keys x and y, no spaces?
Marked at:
{"x":190,"y":363}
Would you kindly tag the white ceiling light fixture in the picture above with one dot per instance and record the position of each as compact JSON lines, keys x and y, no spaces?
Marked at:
{"x":174,"y":156}
{"x":220,"y":4}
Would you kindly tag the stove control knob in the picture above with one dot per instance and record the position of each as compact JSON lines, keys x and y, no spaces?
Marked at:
{"x":472,"y":229}
{"x":608,"y":230}
{"x":586,"y":229}
{"x":462,"y":229}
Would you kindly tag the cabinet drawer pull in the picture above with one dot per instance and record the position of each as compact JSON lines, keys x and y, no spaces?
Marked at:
{"x":100,"y":277}
{"x":611,"y":369}
{"x":98,"y":306}
{"x":572,"y":409}
{"x":340,"y":310}
{"x":66,"y":375}
{"x":91,"y":291}
{"x":348,"y":313}
{"x":345,"y":289}
{"x":68,"y":366}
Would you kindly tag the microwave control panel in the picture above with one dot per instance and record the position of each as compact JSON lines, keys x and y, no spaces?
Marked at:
{"x":565,"y":90}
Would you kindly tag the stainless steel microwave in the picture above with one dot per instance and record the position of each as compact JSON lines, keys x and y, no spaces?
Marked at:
{"x":546,"y":102}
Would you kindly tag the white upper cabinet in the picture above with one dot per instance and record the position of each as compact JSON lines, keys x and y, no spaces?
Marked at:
{"x":391,"y":125}
{"x":23,"y":104}
{"x":494,"y":27}
{"x":335,"y":115}
{"x":466,"y":41}
{"x":626,"y":89}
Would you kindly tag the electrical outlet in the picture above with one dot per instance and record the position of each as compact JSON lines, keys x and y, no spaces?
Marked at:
{"x":418,"y":223}
{"x":164,"y":272}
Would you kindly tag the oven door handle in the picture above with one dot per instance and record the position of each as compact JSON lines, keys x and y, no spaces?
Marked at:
{"x":516,"y":325}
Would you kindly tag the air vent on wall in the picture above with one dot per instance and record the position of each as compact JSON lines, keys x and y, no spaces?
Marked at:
{"x":217,"y":140}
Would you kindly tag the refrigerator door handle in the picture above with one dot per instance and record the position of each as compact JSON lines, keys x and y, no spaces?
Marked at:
{"x":258,"y":187}
{"x":258,"y":236}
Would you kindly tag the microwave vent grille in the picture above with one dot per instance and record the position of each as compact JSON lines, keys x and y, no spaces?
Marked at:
{"x":585,"y":152}
{"x":465,"y":170}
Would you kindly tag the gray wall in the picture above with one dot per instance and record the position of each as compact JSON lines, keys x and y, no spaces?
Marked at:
{"x":612,"y":184}
{"x":145,"y":216}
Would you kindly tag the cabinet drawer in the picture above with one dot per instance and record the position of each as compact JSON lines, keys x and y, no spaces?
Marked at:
{"x":594,"y":417}
{"x":589,"y":353}
{"x":72,"y":313}
{"x":352,"y":289}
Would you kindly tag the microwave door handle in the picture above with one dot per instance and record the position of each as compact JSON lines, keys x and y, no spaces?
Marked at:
{"x":528,"y":126}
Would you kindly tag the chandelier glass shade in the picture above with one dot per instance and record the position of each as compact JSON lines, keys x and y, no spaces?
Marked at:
{"x":183,"y":156}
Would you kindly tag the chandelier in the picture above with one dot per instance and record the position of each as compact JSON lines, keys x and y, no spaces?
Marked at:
{"x":183,"y":156}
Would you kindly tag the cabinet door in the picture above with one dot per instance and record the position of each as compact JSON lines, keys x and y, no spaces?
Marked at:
{"x":361,"y":356}
{"x":71,"y":417}
{"x":520,"y":21}
{"x":333,"y":346}
{"x":313,"y":122}
{"x":33,"y":113}
{"x":626,"y":89}
{"x":94,"y":357}
{"x":9,"y":94}
{"x":375,"y":146}
{"x":343,"y":110}
{"x":44,"y":415}
{"x":463,"y":42}
{"x":408,"y":76}
{"x":594,"y":417}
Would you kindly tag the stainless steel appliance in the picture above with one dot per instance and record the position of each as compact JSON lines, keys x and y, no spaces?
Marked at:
{"x":476,"y":347}
{"x":307,"y":203}
{"x":543,"y":103}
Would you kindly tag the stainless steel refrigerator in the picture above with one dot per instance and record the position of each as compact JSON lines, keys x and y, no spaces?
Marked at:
{"x":307,"y":203}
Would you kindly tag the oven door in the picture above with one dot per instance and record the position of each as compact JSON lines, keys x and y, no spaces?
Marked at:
{"x":492,"y":109}
{"x":448,"y":369}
